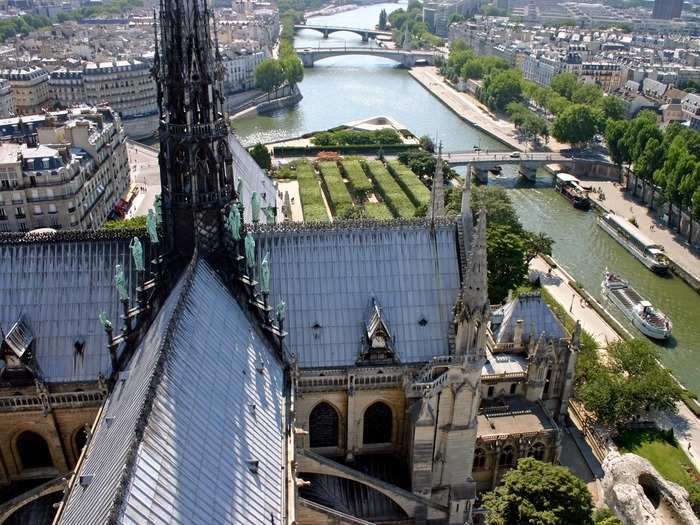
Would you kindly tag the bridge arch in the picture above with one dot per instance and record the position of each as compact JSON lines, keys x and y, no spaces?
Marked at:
{"x":309,"y":56}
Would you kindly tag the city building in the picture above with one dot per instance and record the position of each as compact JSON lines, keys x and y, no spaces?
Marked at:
{"x":667,"y":9}
{"x":239,"y":69}
{"x":30,"y":86}
{"x":67,"y":87}
{"x":8,"y":106}
{"x":69,"y":171}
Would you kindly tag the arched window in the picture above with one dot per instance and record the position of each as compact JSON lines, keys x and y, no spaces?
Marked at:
{"x":506,"y":457}
{"x":547,"y":381}
{"x":537,"y":451}
{"x":377,"y":424}
{"x":479,"y":459}
{"x":80,"y":439}
{"x":323,"y":426}
{"x":33,"y":451}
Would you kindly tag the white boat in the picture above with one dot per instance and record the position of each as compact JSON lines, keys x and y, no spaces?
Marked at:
{"x":634,"y":241}
{"x":650,"y":321}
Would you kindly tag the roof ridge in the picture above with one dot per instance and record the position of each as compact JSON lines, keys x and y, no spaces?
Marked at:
{"x":354,"y":224}
{"x":154,"y":383}
{"x":70,"y":235}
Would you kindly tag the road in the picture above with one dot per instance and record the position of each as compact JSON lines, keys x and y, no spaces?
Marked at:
{"x":145,"y":174}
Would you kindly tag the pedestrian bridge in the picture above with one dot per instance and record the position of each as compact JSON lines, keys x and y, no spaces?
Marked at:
{"x":366,"y":34}
{"x":309,"y":56}
{"x":480,"y":163}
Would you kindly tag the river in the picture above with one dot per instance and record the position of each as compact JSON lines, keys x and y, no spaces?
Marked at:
{"x":342,"y":89}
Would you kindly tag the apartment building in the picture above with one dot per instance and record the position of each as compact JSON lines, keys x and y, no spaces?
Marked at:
{"x":30,"y":86}
{"x":68,"y":172}
{"x":67,"y":87}
{"x":239,"y":69}
{"x":128,"y":87}
{"x":7,"y":99}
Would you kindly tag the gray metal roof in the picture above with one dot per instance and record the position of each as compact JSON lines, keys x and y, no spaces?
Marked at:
{"x":255,"y":180}
{"x":536,"y":317}
{"x":202,"y":397}
{"x":61,"y":287}
{"x":328,"y":277}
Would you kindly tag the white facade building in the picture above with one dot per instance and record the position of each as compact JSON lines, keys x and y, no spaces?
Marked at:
{"x":30,"y":86}
{"x":7,"y":99}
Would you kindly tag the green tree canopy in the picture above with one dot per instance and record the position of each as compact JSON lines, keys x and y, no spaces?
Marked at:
{"x":293,"y":69}
{"x":503,"y":87}
{"x":269,"y":75}
{"x":565,"y":84}
{"x":576,"y":125}
{"x":612,"y":107}
{"x":261,"y":156}
{"x":629,"y":382}
{"x":382,"y":19}
{"x":539,"y":493}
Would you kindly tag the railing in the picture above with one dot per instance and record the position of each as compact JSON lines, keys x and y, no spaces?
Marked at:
{"x":55,"y":400}
{"x":506,"y":437}
{"x":431,"y":387}
{"x":504,"y":375}
{"x":593,"y":437}
{"x":197,"y":130}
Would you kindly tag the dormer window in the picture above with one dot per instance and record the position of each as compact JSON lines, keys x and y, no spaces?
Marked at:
{"x":377,"y":347}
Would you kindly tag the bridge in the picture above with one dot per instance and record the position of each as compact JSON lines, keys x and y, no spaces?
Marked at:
{"x":408,"y":59}
{"x":366,"y":34}
{"x":481,"y":163}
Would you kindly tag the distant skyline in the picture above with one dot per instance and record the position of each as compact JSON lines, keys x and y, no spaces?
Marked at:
{"x":667,"y":9}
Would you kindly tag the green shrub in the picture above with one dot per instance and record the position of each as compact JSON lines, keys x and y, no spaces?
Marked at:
{"x":357,"y":177}
{"x":378,"y":210}
{"x":310,"y":194}
{"x":410,"y":183}
{"x":345,"y":137}
{"x":338,"y":196}
{"x":394,"y":197}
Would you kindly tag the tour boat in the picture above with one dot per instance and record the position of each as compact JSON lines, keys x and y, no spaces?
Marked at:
{"x":650,"y":321}
{"x":570,"y":187}
{"x":634,"y":241}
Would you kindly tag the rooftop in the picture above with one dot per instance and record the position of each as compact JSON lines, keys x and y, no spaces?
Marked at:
{"x":511,"y":416}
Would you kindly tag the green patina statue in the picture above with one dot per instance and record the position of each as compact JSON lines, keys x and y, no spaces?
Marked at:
{"x":280,"y":310}
{"x":265,"y":275}
{"x":250,"y":250}
{"x":151,"y":227}
{"x":137,"y":253}
{"x":255,"y":206}
{"x":106,"y":323}
{"x":234,"y":222}
{"x":158,"y":205}
{"x":120,"y":283}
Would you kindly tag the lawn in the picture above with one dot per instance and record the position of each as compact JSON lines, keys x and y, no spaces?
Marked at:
{"x":337,"y":192}
{"x":410,"y":183}
{"x":310,"y":193}
{"x":394,"y":197}
{"x":378,"y":210}
{"x":357,"y":177}
{"x":662,"y":451}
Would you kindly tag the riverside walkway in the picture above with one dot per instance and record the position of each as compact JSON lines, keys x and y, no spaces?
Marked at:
{"x":685,"y":425}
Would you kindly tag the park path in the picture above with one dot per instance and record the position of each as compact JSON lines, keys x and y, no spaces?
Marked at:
{"x":685,"y":424}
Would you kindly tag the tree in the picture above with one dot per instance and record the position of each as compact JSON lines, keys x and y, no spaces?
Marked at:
{"x":586,"y":94}
{"x":614,"y":133}
{"x":472,"y":69}
{"x":651,"y":159}
{"x":269,"y":75}
{"x":503,"y":87}
{"x":382,"y":19}
{"x":427,"y":144}
{"x":564,"y":84}
{"x":293,"y":69}
{"x":576,"y":125}
{"x":506,"y":261}
{"x":539,"y":493}
{"x":629,"y":382}
{"x":612,"y":107}
{"x":261,"y":156}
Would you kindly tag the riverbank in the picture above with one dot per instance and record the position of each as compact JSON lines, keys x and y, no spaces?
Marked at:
{"x":684,"y":262}
{"x":685,"y":425}
{"x":263,"y":104}
{"x":472,"y":111}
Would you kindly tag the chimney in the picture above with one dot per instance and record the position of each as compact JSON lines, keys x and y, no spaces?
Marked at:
{"x":518,"y":333}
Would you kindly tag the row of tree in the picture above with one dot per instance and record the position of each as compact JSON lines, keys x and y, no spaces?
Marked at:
{"x":668,"y":159}
{"x":418,"y":35}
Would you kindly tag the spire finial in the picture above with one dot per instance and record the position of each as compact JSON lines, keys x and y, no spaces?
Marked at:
{"x":475,"y":288}
{"x":437,"y":194}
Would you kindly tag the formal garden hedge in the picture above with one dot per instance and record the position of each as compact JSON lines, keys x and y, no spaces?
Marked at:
{"x":338,"y":196}
{"x":378,"y":210}
{"x":310,"y":193}
{"x":354,"y":149}
{"x":346,"y":137}
{"x":410,"y":183}
{"x":394,"y":197}
{"x":359,"y":181}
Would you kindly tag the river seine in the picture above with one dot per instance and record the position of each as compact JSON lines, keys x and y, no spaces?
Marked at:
{"x":342,"y":89}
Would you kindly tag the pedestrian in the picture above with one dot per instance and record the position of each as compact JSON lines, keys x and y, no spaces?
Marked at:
{"x":689,"y":451}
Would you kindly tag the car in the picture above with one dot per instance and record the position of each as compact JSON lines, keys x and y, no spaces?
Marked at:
{"x":515,"y":155}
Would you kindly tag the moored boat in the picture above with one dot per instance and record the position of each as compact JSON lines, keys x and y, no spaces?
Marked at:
{"x":570,"y":187}
{"x":651,"y":321}
{"x":634,"y":241}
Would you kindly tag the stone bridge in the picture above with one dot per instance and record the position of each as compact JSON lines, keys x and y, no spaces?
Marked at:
{"x":366,"y":34}
{"x":481,"y":163}
{"x":413,"y":505}
{"x":309,"y":56}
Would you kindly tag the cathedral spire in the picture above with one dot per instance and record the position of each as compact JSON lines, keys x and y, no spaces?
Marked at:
{"x":475,"y":288}
{"x":437,"y":194}
{"x":196,"y":167}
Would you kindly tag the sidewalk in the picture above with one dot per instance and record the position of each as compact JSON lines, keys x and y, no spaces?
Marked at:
{"x":685,"y":425}
{"x":622,"y":203}
{"x":470,"y":109}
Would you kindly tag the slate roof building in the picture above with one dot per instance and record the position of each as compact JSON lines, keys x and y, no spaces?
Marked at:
{"x":221,"y":370}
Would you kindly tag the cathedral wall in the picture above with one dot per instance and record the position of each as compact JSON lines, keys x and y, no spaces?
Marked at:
{"x":493,"y":389}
